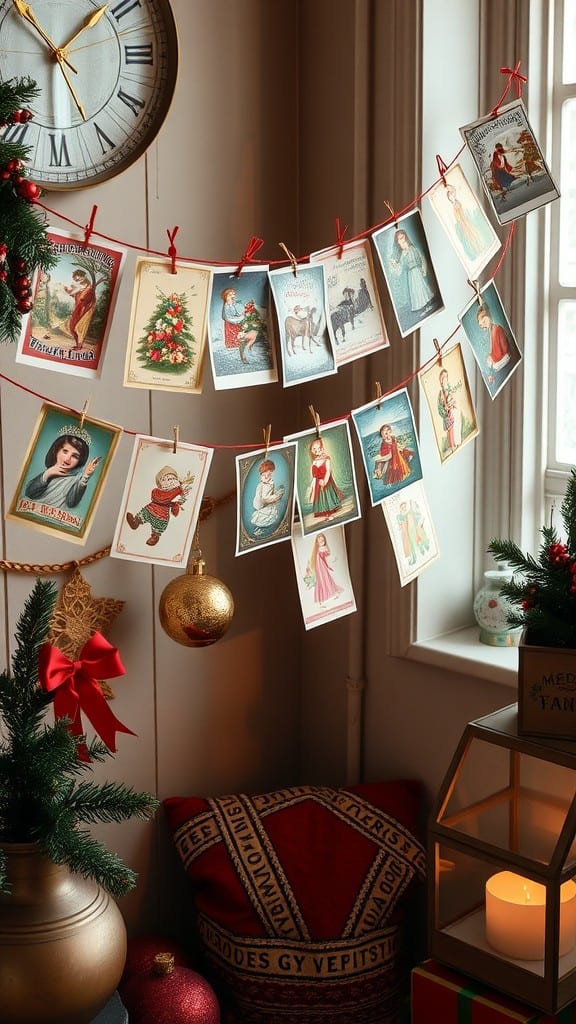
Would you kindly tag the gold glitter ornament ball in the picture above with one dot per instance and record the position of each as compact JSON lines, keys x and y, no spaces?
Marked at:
{"x":195,"y":609}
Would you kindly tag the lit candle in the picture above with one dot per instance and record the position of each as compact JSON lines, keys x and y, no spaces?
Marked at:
{"x":515,"y":916}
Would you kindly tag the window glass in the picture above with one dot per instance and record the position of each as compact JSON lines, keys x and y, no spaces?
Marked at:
{"x":569,"y":54}
{"x":567,"y":253}
{"x":566,"y":384}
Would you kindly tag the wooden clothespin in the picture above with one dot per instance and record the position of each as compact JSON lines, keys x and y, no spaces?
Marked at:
{"x":316,"y":419}
{"x":475,"y":287}
{"x":340,"y":233}
{"x":84,"y":411}
{"x":392,"y":213}
{"x":176,"y":432}
{"x":378,"y":394}
{"x":438,"y":351}
{"x":267,"y":432}
{"x":291,"y":257}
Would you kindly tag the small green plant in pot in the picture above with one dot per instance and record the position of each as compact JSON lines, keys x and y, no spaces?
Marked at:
{"x":543,"y":589}
{"x":42,"y":797}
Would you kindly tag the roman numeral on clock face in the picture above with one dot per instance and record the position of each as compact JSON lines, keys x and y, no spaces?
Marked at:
{"x":124,"y":8}
{"x":59,"y":156}
{"x":138,"y":54}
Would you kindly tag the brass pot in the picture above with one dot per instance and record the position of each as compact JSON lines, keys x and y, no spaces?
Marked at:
{"x":62,"y":942}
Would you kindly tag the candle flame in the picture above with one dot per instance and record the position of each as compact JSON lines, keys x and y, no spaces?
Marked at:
{"x":527,"y":896}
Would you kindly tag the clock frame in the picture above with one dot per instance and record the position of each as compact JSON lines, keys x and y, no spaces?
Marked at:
{"x":106,"y":74}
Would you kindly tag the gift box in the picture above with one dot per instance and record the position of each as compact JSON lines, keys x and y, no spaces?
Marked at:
{"x":440,"y":994}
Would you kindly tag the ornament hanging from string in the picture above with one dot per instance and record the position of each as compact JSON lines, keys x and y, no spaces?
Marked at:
{"x":196,"y":609}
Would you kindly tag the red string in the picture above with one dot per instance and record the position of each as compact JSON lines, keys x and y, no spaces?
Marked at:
{"x":172,"y":249}
{"x":340,"y":233}
{"x":442,"y":168}
{"x":253,"y":246}
{"x":89,"y":227}
{"x":513,"y":76}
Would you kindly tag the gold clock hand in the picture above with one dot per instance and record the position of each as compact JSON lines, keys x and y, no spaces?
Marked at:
{"x":26,"y":12}
{"x":89,"y":23}
{"x":60,"y":60}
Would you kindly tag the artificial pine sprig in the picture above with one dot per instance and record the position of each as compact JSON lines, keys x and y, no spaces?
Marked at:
{"x":41,"y":799}
{"x":24,"y":245}
{"x":543,"y":589}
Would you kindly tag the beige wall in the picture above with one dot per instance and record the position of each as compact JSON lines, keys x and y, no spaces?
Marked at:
{"x":285,"y":117}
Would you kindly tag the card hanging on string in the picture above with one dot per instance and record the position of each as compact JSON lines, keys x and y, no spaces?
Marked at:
{"x":355,"y":319}
{"x":168,"y":324}
{"x":447,"y":390}
{"x":240,"y":332}
{"x":304,"y":343}
{"x":322,"y":575}
{"x":388,"y":440}
{"x":467,"y":227}
{"x":73,"y":306}
{"x":64,"y":472}
{"x":265,"y":488}
{"x":491,"y":338}
{"x":161,"y":502}
{"x":326,"y":487}
{"x":510,"y":163}
{"x":404,"y":255}
{"x":411,"y":529}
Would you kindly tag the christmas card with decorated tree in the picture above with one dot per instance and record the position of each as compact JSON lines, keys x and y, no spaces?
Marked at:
{"x":167,"y":332}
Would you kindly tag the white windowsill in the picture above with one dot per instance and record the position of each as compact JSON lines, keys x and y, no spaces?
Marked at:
{"x":462,"y":651}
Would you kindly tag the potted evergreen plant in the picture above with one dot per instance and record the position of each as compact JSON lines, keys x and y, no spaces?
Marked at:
{"x":542,"y":593}
{"x":57,"y":914}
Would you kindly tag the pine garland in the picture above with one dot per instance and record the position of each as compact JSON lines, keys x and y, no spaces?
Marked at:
{"x":24,"y":245}
{"x":41,"y":799}
{"x":544,"y":591}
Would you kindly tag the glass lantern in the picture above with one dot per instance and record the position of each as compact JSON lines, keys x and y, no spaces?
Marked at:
{"x":502,"y":863}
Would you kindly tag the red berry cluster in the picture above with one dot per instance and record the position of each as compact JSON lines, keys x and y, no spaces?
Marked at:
{"x":558,"y":555}
{"x":530,"y":599}
{"x":23,"y":187}
{"x":17,"y":117}
{"x":17,"y":279}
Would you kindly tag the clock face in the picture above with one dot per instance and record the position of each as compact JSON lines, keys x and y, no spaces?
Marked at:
{"x":106,"y":75}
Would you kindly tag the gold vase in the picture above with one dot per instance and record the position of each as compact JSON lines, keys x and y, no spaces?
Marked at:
{"x":62,"y":942}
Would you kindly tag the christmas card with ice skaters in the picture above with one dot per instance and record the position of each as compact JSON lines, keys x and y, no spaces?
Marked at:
{"x":326,"y":489}
{"x":322,"y":575}
{"x":389,"y":443}
{"x":68,"y":326}
{"x":510,"y":163}
{"x":304,"y":341}
{"x":161,"y":501}
{"x":64,"y":471}
{"x":445,"y":384}
{"x":491,"y":339}
{"x":242,"y":351}
{"x":404,"y":255}
{"x":355,"y":320}
{"x":266,"y":497}
{"x":469,"y":231}
{"x":168,"y":324}
{"x":411,"y":530}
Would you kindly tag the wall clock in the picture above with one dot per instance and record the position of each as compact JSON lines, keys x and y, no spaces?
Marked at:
{"x":106,"y":75}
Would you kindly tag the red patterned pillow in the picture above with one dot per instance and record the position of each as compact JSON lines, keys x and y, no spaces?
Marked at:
{"x":299,"y":895}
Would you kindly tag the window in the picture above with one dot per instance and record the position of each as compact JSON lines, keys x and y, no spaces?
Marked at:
{"x":562,"y":289}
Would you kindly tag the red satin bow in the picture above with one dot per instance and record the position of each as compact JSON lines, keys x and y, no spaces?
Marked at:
{"x":75,"y":687}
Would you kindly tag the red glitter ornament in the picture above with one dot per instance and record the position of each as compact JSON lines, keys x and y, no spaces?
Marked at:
{"x":141,"y":952}
{"x":167,"y":994}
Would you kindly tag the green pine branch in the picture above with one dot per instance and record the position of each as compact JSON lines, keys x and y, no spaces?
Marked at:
{"x":26,"y":248}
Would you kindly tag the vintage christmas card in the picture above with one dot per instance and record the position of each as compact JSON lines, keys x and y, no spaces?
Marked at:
{"x":389,"y":443}
{"x":242,"y":351}
{"x":404,"y":255}
{"x":300,"y":305}
{"x":322,"y":575}
{"x":326,"y":489}
{"x":447,"y":390}
{"x":167,"y":333}
{"x":265,"y":497}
